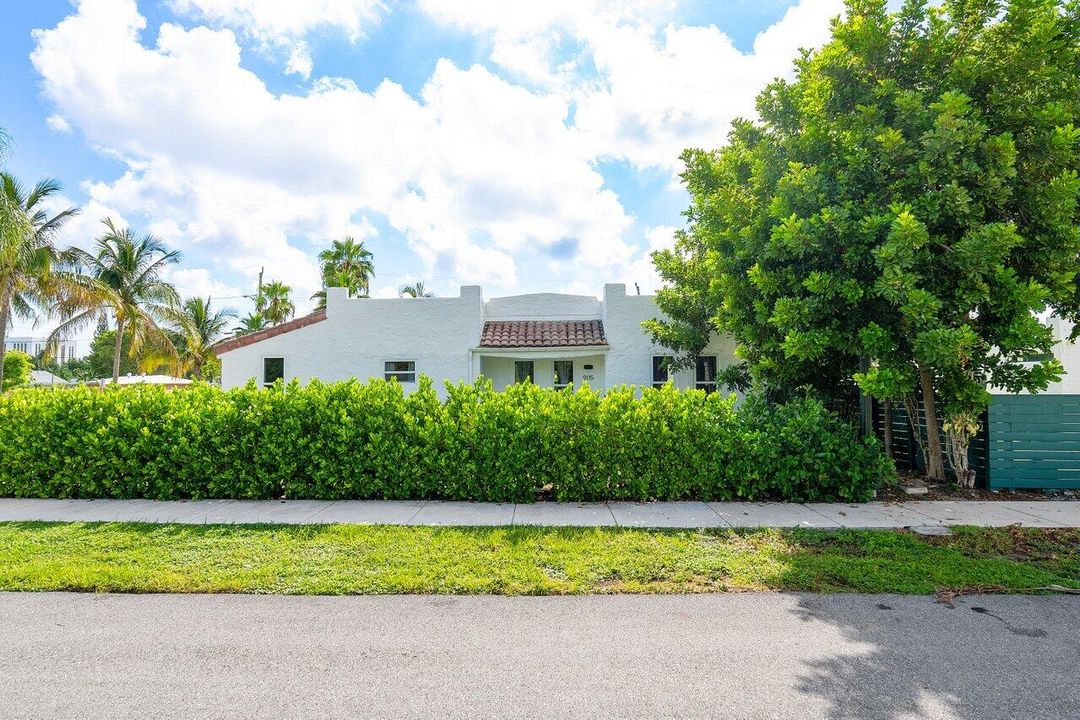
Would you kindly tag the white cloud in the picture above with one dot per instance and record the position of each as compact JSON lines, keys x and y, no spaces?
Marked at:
{"x":300,"y":62}
{"x":197,"y":282}
{"x":283,"y":24}
{"x":474,"y":171}
{"x":278,"y":20}
{"x":384,"y":291}
{"x":658,"y":87}
{"x":58,"y":123}
{"x":490,"y":180}
{"x":86,"y":227}
{"x":642,"y":271}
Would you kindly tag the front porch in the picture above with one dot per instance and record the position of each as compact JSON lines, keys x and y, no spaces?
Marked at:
{"x":546,"y":367}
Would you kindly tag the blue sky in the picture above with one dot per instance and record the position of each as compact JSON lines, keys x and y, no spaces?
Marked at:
{"x":526,"y":147}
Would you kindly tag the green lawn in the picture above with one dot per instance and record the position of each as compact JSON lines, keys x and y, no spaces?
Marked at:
{"x":341,"y":559}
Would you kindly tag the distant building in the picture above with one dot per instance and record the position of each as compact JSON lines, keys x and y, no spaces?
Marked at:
{"x":43,"y":378}
{"x":34,"y":346}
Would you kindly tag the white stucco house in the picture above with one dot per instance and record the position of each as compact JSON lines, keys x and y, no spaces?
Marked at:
{"x":556,"y":340}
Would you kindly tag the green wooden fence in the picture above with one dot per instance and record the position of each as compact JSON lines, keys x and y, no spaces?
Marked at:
{"x":1034,"y":441}
{"x":905,"y":450}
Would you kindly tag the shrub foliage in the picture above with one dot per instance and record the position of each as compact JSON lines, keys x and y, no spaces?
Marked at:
{"x":357,"y":440}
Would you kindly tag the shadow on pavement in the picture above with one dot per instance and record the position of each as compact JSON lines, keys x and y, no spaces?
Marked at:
{"x":995,"y":656}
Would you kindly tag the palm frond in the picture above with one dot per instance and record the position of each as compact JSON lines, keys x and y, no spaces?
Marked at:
{"x":42,"y":189}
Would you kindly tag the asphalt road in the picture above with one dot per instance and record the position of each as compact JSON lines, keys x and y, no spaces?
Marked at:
{"x":739,"y":656}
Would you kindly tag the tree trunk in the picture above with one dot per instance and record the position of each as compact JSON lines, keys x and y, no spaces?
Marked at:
{"x":957,"y":440}
{"x":935,"y":461}
{"x":887,"y":429}
{"x":3,"y":335}
{"x":118,"y":347}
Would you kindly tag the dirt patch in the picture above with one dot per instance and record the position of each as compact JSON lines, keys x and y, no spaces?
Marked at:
{"x":949,"y":491}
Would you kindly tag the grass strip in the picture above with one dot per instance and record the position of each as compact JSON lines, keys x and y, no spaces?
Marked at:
{"x":350,"y":559}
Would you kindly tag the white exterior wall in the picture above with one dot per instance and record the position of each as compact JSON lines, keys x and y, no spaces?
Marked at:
{"x":360,"y":335}
{"x":543,"y":306}
{"x":1069,"y":355}
{"x":442,"y":336}
{"x":629,"y":361}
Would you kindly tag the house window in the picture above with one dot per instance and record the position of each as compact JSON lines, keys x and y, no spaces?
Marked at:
{"x":706,"y":373}
{"x":404,"y":371}
{"x":273,"y":370}
{"x":523,"y":371}
{"x":660,"y":373}
{"x":564,"y":373}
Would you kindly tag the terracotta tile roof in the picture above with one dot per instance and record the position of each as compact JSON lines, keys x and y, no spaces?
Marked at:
{"x":543,"y":333}
{"x":250,"y":339}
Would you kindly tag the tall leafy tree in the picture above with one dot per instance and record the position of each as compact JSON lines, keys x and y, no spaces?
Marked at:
{"x":17,"y":367}
{"x":196,"y":326}
{"x":274,"y":302}
{"x":900,"y":215}
{"x":122,"y":278}
{"x":99,"y":361}
{"x":348,"y":264}
{"x":27,"y":253}
{"x":337,"y":279}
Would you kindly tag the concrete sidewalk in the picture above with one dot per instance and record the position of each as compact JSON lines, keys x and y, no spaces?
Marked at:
{"x":622,"y":514}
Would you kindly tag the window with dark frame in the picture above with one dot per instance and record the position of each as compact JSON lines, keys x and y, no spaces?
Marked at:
{"x":706,"y":373}
{"x":660,"y":370}
{"x":273,"y":370}
{"x":523,"y":371}
{"x":564,"y":373}
{"x":404,"y":371}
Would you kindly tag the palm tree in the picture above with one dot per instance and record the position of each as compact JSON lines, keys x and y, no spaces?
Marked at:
{"x":348,"y":264}
{"x":196,"y":326}
{"x":416,"y":290}
{"x":27,"y":253}
{"x":254,"y":322}
{"x":121,"y":278}
{"x":275,"y":302}
{"x":337,"y":279}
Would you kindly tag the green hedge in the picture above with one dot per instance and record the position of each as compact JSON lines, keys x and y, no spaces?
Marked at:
{"x":354,"y":440}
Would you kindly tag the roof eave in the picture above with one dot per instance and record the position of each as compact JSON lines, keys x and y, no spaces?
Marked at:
{"x":539,"y":348}
{"x":243,"y":341}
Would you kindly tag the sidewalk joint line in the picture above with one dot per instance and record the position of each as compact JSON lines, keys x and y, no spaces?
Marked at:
{"x":942,"y":523}
{"x":823,"y":515}
{"x":1031,"y":514}
{"x":423,"y":504}
{"x":304,"y":520}
{"x":717,"y":514}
